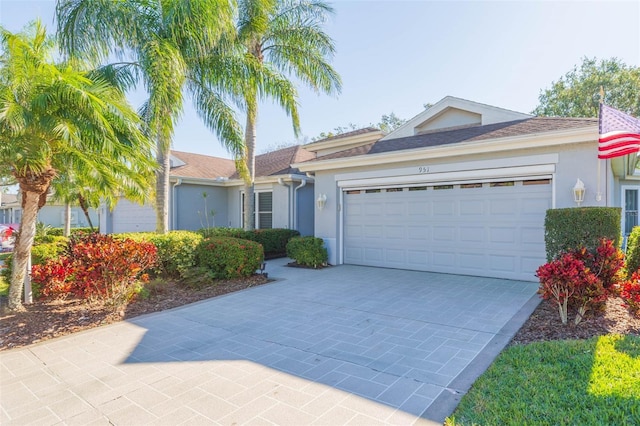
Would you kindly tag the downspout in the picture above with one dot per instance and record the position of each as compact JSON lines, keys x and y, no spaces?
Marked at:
{"x":289,"y":196}
{"x":303,"y":182}
{"x":174,"y":205}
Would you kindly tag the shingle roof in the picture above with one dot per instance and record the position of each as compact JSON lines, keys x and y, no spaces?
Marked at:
{"x":348,"y":134}
{"x":269,"y":164}
{"x":527,"y":126}
{"x":202,"y":166}
{"x":279,"y":162}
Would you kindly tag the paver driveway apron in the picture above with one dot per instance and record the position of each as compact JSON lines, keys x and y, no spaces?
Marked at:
{"x":342,"y":345}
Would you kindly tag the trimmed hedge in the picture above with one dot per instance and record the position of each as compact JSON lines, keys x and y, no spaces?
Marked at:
{"x":633,"y":251}
{"x":57,"y":232}
{"x":227,"y":257}
{"x":274,"y":241}
{"x":573,"y":228}
{"x":308,"y":251}
{"x":176,"y":250}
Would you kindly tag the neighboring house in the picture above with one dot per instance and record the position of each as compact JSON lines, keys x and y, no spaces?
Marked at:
{"x":461,"y":188}
{"x":284,"y":196}
{"x":51,"y":214}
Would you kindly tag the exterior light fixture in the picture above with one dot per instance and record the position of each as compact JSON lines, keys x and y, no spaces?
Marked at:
{"x":321,"y":201}
{"x":578,"y":192}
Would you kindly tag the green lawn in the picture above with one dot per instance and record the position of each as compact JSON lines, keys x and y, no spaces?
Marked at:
{"x":571,"y":382}
{"x":4,"y":286}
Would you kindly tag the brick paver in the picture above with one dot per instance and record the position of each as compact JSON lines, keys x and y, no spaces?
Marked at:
{"x":343,"y":345}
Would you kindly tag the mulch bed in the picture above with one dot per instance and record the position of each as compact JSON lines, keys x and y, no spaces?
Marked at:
{"x":544,"y":324}
{"x":47,"y":319}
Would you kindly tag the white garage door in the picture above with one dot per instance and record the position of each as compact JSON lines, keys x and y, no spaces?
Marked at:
{"x":132,"y":217}
{"x":486,"y":229}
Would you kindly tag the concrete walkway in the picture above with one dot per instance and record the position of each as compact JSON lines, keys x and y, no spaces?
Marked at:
{"x":342,"y":345}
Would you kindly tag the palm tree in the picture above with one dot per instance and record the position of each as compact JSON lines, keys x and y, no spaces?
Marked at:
{"x":58,"y":119}
{"x":158,"y":42}
{"x":286,"y":38}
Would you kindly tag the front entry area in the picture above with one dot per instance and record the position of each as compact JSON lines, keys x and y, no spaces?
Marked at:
{"x":492,"y":229}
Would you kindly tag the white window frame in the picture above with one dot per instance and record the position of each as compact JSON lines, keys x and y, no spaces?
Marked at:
{"x":256,"y":212}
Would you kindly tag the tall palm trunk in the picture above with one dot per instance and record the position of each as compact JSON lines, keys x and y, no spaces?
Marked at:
{"x":162,"y":186}
{"x":33,"y":188}
{"x":85,"y":209}
{"x":67,"y":219}
{"x":250,"y":162}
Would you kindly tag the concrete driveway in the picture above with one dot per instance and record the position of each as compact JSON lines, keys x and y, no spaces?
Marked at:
{"x":343,"y":345}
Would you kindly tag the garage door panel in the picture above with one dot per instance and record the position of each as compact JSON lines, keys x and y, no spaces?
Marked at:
{"x":487,"y":231}
{"x":472,"y":234}
{"x":395,"y":232}
{"x":472,"y":207}
{"x":444,"y":207}
{"x":502,"y":263}
{"x":395,"y":256}
{"x":417,"y":258}
{"x":394,"y":209}
{"x":373,"y":255}
{"x":503,"y":206}
{"x":471,"y":261}
{"x":503,"y":234}
{"x":443,"y":258}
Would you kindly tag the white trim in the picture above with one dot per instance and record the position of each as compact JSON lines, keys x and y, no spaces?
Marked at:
{"x":340,"y":242}
{"x":466,"y":176}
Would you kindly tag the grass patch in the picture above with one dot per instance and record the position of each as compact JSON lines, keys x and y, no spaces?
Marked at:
{"x":4,"y":286}
{"x":570,"y":382}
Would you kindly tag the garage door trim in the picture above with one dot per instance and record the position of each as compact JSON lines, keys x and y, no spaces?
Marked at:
{"x":543,"y":171}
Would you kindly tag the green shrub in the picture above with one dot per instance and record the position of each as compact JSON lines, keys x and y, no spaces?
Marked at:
{"x":176,"y":250}
{"x":58,"y":232}
{"x":227,"y":257}
{"x":274,"y":241}
{"x":574,"y":228}
{"x":308,"y":251}
{"x":633,"y":252}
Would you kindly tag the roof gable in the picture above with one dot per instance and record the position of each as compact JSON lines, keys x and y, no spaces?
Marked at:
{"x":452,"y":112}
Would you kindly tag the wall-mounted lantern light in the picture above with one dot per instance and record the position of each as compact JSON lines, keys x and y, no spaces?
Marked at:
{"x":578,"y":192}
{"x":321,"y":201}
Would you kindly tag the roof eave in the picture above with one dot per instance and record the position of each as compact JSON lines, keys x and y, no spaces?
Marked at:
{"x":533,"y":140}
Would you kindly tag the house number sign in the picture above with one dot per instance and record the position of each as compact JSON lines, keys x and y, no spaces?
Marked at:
{"x":423,"y":169}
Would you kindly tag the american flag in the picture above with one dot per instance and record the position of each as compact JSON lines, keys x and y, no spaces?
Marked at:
{"x":619,"y":133}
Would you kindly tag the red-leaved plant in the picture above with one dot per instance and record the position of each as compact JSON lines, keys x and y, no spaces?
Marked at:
{"x":629,"y":292}
{"x":581,"y":278}
{"x":97,"y":267}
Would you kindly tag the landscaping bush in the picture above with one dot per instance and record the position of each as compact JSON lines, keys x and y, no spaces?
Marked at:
{"x":573,"y":228}
{"x":96,"y":267}
{"x":633,"y":252}
{"x":274,"y":241}
{"x":176,"y":250}
{"x":227,"y":257}
{"x":629,"y":291}
{"x":581,"y":278}
{"x":308,"y":251}
{"x":58,"y":232}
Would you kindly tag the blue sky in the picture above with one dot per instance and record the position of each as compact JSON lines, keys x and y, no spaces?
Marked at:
{"x":394,"y":56}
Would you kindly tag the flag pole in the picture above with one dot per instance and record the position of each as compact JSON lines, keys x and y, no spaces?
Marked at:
{"x":598,"y":192}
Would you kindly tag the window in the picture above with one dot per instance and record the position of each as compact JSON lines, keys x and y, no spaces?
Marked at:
{"x":263,"y":210}
{"x":630,"y":214}
{"x":441,"y":187}
{"x":470,"y":185}
{"x":264,"y":216}
{"x":500,"y":184}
